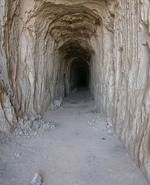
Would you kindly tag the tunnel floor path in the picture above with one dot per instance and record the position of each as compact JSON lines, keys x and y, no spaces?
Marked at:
{"x":80,"y":150}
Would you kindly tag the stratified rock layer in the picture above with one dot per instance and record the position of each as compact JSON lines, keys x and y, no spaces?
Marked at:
{"x":132,"y":79}
{"x":43,"y":42}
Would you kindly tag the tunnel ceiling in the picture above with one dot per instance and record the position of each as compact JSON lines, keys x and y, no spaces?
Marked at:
{"x":74,"y":49}
{"x":71,"y":27}
{"x":67,"y":22}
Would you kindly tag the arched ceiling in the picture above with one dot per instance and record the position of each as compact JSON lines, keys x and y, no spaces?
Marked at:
{"x":76,"y":49}
{"x":71,"y":27}
{"x":64,"y":22}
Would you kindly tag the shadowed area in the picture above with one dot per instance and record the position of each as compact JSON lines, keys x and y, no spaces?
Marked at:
{"x":76,"y":51}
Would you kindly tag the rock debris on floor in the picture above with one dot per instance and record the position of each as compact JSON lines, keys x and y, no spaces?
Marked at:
{"x":81,"y":150}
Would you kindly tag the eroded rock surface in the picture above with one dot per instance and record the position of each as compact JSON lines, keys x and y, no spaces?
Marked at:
{"x":44,"y":43}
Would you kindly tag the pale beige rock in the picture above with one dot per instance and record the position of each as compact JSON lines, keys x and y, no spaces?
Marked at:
{"x":41,"y":40}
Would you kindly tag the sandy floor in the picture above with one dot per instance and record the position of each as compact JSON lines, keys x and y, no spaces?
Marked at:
{"x":80,"y":150}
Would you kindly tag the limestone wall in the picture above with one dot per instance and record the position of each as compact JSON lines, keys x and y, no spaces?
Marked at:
{"x":37,"y":44}
{"x":8,"y":58}
{"x":132,"y":79}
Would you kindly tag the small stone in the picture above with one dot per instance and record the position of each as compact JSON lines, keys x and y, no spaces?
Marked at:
{"x":37,"y":180}
{"x":28,"y":124}
{"x":17,"y":154}
{"x":25,"y":118}
{"x":109,"y":123}
{"x":21,"y":122}
{"x":32,"y":118}
{"x":38,"y":117}
{"x":20,"y":132}
{"x":35,"y":133}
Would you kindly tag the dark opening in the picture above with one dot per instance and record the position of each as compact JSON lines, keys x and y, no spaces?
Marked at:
{"x":77,"y":57}
{"x":79,"y":76}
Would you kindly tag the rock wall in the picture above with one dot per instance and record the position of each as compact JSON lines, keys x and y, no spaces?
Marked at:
{"x":9,"y":12}
{"x":41,"y":40}
{"x":132,"y":79}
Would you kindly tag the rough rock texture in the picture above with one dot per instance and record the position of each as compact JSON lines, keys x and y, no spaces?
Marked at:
{"x":132,"y":79}
{"x":43,"y":43}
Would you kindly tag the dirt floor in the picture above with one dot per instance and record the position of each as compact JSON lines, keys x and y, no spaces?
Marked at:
{"x":78,"y":149}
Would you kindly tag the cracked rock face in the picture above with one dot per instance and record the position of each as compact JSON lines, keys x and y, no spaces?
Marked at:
{"x":44,"y":43}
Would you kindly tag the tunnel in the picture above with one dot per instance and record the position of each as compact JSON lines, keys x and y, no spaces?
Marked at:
{"x":50,"y":49}
{"x":76,"y":66}
{"x":79,"y":76}
{"x":66,"y":35}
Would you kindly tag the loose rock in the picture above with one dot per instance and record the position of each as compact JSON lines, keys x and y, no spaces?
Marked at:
{"x":37,"y":180}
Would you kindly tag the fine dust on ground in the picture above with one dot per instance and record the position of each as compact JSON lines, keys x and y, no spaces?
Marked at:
{"x":80,"y":150}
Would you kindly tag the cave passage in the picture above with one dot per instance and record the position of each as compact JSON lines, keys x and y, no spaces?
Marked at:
{"x":79,"y":76}
{"x":86,"y":53}
{"x":76,"y":66}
